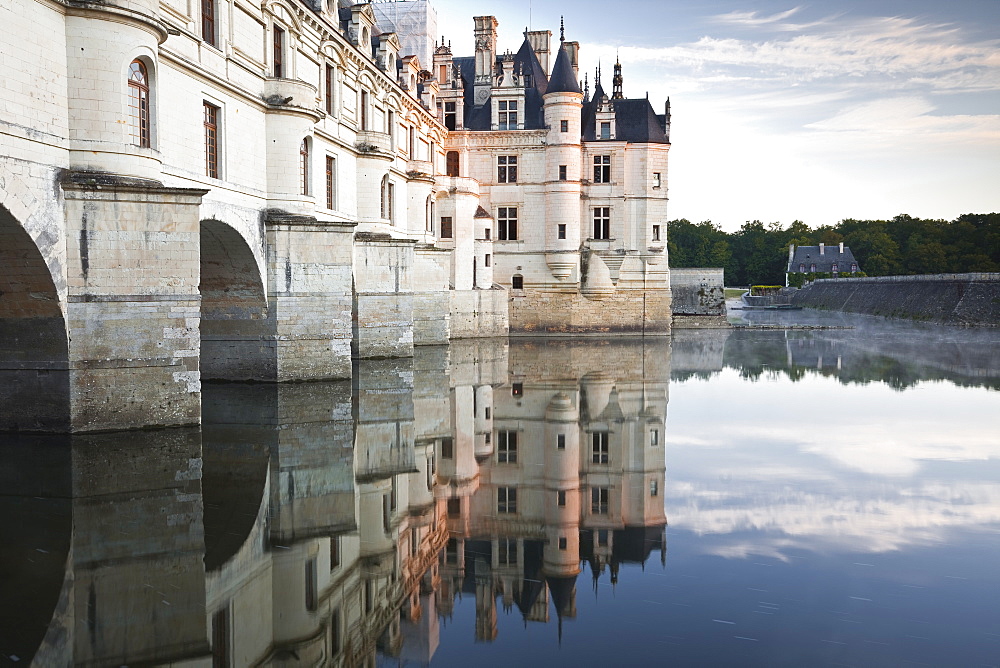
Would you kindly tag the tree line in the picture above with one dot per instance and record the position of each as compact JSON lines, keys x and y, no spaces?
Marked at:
{"x":757,"y":253}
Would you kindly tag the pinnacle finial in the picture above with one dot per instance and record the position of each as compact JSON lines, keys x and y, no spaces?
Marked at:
{"x":562,"y":30}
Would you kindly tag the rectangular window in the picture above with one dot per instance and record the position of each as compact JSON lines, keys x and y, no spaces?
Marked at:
{"x":507,"y":169}
{"x":654,"y":437}
{"x":602,"y":169}
{"x":447,"y":448}
{"x":507,"y":114}
{"x":506,"y":447}
{"x":450,"y":115}
{"x":329,"y":83}
{"x":656,"y":179}
{"x":334,"y":552}
{"x":507,"y":500}
{"x":331,"y":182}
{"x":335,"y":633}
{"x":211,"y":140}
{"x":517,"y":282}
{"x":411,"y":142}
{"x":599,"y":497}
{"x":656,"y":232}
{"x":561,"y":497}
{"x":599,"y":441}
{"x":220,"y":638}
{"x":602,"y":222}
{"x":562,"y":542}
{"x":486,"y":260}
{"x":561,"y":230}
{"x":312,"y":593}
{"x":654,"y":489}
{"x":208,"y":21}
{"x":563,"y":126}
{"x":446,"y":232}
{"x":451,"y":551}
{"x":507,"y":552}
{"x":489,"y":233}
{"x":562,"y":172}
{"x":605,"y":130}
{"x":561,"y":441}
{"x":507,"y":223}
{"x":602,"y":538}
{"x":517,"y":390}
{"x":279,"y":48}
{"x":454,"y":507}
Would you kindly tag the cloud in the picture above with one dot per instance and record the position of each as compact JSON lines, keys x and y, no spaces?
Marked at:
{"x":897,"y":49}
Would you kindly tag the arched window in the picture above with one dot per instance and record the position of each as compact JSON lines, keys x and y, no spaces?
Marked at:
{"x":388,"y":194}
{"x":451,"y":166}
{"x":304,"y":165}
{"x":138,"y":104}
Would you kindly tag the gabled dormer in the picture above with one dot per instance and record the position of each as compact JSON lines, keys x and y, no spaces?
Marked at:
{"x":388,"y":52}
{"x":507,"y":95}
{"x":361,"y":27}
{"x":451,"y":90}
{"x":409,"y":74}
{"x":429,"y":93}
{"x":604,"y":119}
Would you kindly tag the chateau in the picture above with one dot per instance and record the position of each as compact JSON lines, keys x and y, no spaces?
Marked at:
{"x":220,"y":189}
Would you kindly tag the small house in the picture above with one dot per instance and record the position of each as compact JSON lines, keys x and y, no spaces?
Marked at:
{"x":822,"y":259}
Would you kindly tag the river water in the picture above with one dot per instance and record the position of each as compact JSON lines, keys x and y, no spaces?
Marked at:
{"x":762,"y":496}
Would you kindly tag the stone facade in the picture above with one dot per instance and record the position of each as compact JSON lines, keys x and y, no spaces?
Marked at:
{"x":699,"y":298}
{"x":572,"y":189}
{"x":953,"y":299}
{"x":216,"y":190}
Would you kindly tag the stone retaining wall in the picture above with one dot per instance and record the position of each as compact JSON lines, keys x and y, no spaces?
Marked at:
{"x":960,"y":299}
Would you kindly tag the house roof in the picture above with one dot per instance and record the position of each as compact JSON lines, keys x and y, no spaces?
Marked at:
{"x":635,"y":120}
{"x":810,"y":255}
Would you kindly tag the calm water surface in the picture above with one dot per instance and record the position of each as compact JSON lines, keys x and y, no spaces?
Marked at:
{"x":771,"y":497}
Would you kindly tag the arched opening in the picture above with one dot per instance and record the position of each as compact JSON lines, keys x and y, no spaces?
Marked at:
{"x":34,"y":369}
{"x":451,"y":163}
{"x":234,"y":326}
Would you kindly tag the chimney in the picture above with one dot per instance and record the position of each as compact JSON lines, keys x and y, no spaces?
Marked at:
{"x":539,"y":41}
{"x":791,"y":254}
{"x":822,"y":248}
{"x":573,"y":50}
{"x":841,"y":247}
{"x":486,"y":52}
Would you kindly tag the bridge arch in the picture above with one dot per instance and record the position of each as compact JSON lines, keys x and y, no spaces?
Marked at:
{"x":34,"y":348}
{"x":234,"y":315}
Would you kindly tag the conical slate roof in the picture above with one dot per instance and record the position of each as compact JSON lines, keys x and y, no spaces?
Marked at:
{"x":563,"y":80}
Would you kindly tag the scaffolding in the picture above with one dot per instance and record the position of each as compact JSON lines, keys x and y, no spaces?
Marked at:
{"x":414,"y":21}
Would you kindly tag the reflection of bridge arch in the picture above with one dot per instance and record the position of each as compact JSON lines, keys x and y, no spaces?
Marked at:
{"x":233,"y":307}
{"x":34,"y":349}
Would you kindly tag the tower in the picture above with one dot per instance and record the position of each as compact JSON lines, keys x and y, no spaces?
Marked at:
{"x":563,"y":102}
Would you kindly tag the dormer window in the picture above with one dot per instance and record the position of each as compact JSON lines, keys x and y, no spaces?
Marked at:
{"x":802,"y":268}
{"x":606,"y":130}
{"x":507,"y":114}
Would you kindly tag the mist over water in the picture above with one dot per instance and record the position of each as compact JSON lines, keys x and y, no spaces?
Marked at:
{"x":779,"y":497}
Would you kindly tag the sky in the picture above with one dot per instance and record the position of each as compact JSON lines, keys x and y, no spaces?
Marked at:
{"x":816,"y":111}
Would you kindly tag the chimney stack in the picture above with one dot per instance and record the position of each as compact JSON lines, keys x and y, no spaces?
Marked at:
{"x":822,"y":248}
{"x":841,"y":247}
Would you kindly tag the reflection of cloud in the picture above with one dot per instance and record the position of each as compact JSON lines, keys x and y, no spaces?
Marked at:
{"x":785,"y":519}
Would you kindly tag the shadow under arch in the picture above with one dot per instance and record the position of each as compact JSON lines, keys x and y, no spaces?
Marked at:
{"x":234,"y":325}
{"x":34,"y":349}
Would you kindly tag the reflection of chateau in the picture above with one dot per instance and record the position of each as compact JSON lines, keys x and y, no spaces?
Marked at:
{"x":330,"y":523}
{"x":570,"y":471}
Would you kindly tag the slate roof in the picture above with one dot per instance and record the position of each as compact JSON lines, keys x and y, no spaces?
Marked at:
{"x":809,"y":255}
{"x":563,"y":79}
{"x":635,"y":120}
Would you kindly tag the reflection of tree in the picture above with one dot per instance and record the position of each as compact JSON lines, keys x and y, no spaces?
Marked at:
{"x":900,"y":360}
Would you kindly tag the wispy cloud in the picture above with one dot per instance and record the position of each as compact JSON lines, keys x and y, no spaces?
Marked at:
{"x":903,"y":50}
